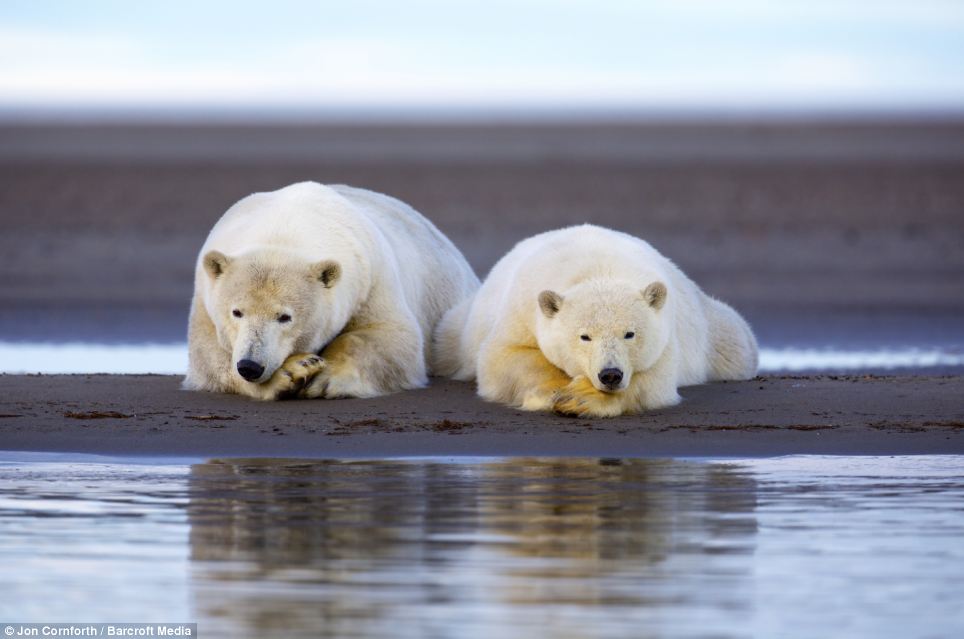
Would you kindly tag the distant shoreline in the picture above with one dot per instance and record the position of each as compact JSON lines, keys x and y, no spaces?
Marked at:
{"x":14,"y":114}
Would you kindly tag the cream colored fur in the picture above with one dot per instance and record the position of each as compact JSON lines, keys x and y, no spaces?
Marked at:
{"x":363,"y":277}
{"x":521,"y":334}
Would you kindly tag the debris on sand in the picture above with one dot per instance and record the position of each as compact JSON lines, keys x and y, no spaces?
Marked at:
{"x":449,"y":426}
{"x":97,"y":414}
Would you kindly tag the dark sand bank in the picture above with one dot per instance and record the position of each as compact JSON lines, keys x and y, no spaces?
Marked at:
{"x":149,"y":415}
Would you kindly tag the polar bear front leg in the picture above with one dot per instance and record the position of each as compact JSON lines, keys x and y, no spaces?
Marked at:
{"x":648,"y":390}
{"x":580,"y":398}
{"x":371,"y":361}
{"x":209,"y":365}
{"x":652,"y":391}
{"x":288,"y":381}
{"x":520,"y":376}
{"x":657,"y":387}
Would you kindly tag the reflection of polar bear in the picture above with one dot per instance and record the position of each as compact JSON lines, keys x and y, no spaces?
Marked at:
{"x":589,"y":321}
{"x":357,"y":277}
{"x":525,"y":547}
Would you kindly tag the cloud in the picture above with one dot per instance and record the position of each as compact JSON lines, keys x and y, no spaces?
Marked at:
{"x":538,"y":53}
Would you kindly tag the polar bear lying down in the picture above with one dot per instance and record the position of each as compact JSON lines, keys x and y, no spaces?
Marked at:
{"x":318,"y":291}
{"x":589,"y":321}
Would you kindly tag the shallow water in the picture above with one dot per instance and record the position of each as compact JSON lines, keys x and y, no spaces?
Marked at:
{"x":796,"y":546}
{"x":171,"y":359}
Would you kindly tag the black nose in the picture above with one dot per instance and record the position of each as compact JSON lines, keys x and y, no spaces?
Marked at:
{"x":611,"y":377}
{"x":250,"y":370}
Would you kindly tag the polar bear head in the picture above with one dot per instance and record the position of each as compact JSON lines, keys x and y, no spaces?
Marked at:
{"x":267,"y":305}
{"x":604,"y":329}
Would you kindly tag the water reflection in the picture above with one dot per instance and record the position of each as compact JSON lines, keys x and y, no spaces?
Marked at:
{"x":797,"y":546}
{"x":568,"y":548}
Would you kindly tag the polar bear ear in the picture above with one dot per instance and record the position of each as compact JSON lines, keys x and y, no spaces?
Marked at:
{"x":327,"y":272}
{"x":655,"y":295}
{"x":550,"y":302}
{"x":215,"y":263}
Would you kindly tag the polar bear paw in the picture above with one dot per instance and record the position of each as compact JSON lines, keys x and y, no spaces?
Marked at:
{"x":339,"y":380}
{"x":581,"y":399}
{"x":294,"y":375}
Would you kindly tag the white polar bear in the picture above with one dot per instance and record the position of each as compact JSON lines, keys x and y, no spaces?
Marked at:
{"x":320,"y":291}
{"x":589,"y":321}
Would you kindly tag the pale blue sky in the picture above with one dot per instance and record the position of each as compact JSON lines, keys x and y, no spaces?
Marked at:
{"x":624,"y":54}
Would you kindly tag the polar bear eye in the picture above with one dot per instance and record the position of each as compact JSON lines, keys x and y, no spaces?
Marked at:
{"x":630,"y":335}
{"x":237,"y":313}
{"x":585,"y":338}
{"x":284,"y":318}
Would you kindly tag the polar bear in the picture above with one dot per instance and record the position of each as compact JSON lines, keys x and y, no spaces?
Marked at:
{"x":592,"y":322}
{"x":320,"y":291}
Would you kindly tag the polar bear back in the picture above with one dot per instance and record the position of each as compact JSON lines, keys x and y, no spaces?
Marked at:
{"x":427,"y":262}
{"x":506,"y":304}
{"x":381,"y":240}
{"x":559,"y":259}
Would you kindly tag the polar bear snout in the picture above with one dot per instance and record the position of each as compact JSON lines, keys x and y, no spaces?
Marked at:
{"x":611,"y":378}
{"x":250,"y":370}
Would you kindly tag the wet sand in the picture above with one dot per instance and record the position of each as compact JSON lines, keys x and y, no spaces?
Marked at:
{"x":151,"y":416}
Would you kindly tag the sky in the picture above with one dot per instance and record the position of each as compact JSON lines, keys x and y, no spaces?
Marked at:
{"x":496,"y":54}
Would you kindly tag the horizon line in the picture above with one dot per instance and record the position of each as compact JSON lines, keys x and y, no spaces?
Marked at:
{"x":466,"y":114}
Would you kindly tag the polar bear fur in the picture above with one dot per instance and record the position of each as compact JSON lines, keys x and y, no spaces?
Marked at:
{"x":567,"y":311}
{"x":333,"y":291}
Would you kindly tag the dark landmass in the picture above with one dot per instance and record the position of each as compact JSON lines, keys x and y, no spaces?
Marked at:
{"x":834,"y":232}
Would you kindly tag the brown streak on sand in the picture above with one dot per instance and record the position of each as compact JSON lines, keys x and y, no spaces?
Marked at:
{"x":97,"y":414}
{"x":449,"y":426}
{"x":952,"y":424}
{"x":748,"y":427}
{"x":365,"y":422}
{"x":905,"y":427}
{"x":381,"y":426}
{"x":736,"y":427}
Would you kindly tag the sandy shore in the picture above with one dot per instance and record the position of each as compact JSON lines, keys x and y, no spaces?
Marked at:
{"x":149,"y":415}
